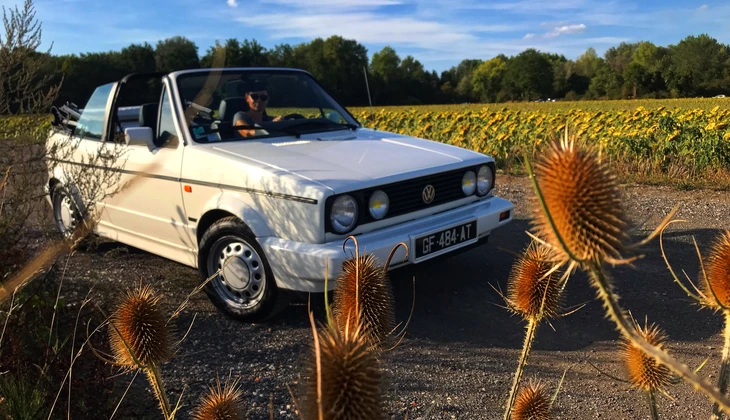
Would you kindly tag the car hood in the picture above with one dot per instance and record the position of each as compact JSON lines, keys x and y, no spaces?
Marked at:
{"x":343,"y":160}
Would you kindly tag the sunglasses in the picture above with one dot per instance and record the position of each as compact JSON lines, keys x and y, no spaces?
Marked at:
{"x":255,"y":96}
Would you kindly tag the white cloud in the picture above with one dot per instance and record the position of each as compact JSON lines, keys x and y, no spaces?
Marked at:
{"x":703,"y":7}
{"x":364,"y":27}
{"x":233,"y":3}
{"x":528,"y":36}
{"x":567,"y":29}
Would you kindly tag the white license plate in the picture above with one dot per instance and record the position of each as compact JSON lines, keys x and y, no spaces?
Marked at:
{"x":442,"y":241}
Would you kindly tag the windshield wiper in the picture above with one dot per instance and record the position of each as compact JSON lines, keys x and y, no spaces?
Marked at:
{"x":295,"y":127}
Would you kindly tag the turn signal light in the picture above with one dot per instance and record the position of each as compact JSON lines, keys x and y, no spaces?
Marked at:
{"x":188,"y":188}
{"x":504,"y":215}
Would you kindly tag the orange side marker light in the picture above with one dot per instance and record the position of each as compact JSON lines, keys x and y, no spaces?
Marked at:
{"x":188,"y":189}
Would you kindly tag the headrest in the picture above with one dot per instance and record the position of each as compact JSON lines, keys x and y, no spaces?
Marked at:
{"x":148,"y":115}
{"x":233,"y":88}
{"x":230,"y":106}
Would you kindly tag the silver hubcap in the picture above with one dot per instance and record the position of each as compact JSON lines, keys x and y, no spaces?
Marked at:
{"x":66,"y":215}
{"x":242,"y":279}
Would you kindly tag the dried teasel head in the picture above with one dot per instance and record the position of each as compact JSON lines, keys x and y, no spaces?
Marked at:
{"x":363,"y":288}
{"x":350,"y":377}
{"x":138,"y":333}
{"x":644,"y":371}
{"x":532,"y":403}
{"x":531,"y":291}
{"x":717,"y":268}
{"x":220,"y":402}
{"x":582,"y":196}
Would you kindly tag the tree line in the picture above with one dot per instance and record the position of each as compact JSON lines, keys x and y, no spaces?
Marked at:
{"x":695,"y":66}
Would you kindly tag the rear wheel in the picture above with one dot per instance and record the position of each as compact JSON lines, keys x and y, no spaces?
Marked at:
{"x":245,"y":288}
{"x":66,"y":212}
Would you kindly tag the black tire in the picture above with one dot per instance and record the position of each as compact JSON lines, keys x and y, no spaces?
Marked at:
{"x":233,"y":241}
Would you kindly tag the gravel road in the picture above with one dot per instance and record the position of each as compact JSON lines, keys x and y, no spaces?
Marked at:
{"x":461,"y":348}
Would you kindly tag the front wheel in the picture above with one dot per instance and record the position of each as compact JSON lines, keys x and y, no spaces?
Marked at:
{"x":245,"y":288}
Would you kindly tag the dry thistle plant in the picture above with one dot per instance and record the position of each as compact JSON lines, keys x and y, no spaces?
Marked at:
{"x":582,"y":220}
{"x":645,"y":372}
{"x":221,"y":402}
{"x":533,"y":403}
{"x":344,"y":377}
{"x":141,"y":339}
{"x":713,"y":293}
{"x":534,"y":291}
{"x":363,"y":296}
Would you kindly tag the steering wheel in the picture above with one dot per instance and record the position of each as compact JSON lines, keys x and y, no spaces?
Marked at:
{"x":293,"y":116}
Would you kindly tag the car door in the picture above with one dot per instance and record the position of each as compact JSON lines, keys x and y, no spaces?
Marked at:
{"x":84,"y":173}
{"x":146,"y":210}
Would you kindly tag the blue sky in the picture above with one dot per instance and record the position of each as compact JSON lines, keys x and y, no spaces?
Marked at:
{"x":439,"y":33}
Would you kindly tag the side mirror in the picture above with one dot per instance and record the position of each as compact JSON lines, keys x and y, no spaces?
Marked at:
{"x":139,"y":136}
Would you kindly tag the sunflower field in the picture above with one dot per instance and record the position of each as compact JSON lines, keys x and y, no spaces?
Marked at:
{"x":687,"y":142}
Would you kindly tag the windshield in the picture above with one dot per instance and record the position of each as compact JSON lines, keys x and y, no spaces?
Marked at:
{"x":237,"y":105}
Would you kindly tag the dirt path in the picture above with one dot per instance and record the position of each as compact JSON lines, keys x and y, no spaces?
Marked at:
{"x":461,"y":349}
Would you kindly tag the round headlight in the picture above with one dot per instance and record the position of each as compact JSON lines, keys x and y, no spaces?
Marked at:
{"x":469,"y":183}
{"x":378,"y":205}
{"x":485,"y":180}
{"x":344,"y":214}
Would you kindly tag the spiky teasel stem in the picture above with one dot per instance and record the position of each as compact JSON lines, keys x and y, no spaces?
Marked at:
{"x":526,"y":347}
{"x":154,"y":377}
{"x":141,"y":339}
{"x":220,"y":403}
{"x":532,"y":403}
{"x":344,"y":378}
{"x":724,"y":375}
{"x":644,"y":371}
{"x":590,"y":249}
{"x":535,"y":292}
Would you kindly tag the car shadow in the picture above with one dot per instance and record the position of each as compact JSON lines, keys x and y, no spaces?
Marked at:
{"x":456,"y":301}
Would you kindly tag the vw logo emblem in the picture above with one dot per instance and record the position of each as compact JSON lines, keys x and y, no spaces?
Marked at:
{"x":428,"y":194}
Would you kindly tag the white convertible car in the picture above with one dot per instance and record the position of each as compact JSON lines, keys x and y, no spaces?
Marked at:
{"x":262,"y":172}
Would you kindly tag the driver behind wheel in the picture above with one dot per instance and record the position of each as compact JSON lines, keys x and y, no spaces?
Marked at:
{"x":257,"y":97}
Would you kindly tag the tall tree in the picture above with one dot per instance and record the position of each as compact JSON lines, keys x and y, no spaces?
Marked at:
{"x":344,"y":75}
{"x":138,"y":58}
{"x":605,"y":84}
{"x":619,"y":57}
{"x":587,"y":63}
{"x":529,"y":76}
{"x":697,"y":63}
{"x":253,"y":54}
{"x":176,"y":53}
{"x":463,"y":74}
{"x":385,"y":68}
{"x":281,"y":56}
{"x":487,"y":78}
{"x":23,"y":86}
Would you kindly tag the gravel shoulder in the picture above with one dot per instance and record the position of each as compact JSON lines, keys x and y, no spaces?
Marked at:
{"x":461,"y":348}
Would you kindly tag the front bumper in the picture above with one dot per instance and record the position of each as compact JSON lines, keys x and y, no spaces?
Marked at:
{"x":302,"y":267}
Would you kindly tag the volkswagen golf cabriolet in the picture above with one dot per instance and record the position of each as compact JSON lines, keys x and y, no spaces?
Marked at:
{"x":263,"y":173}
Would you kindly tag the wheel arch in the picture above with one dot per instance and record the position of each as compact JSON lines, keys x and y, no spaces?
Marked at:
{"x":225,"y":205}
